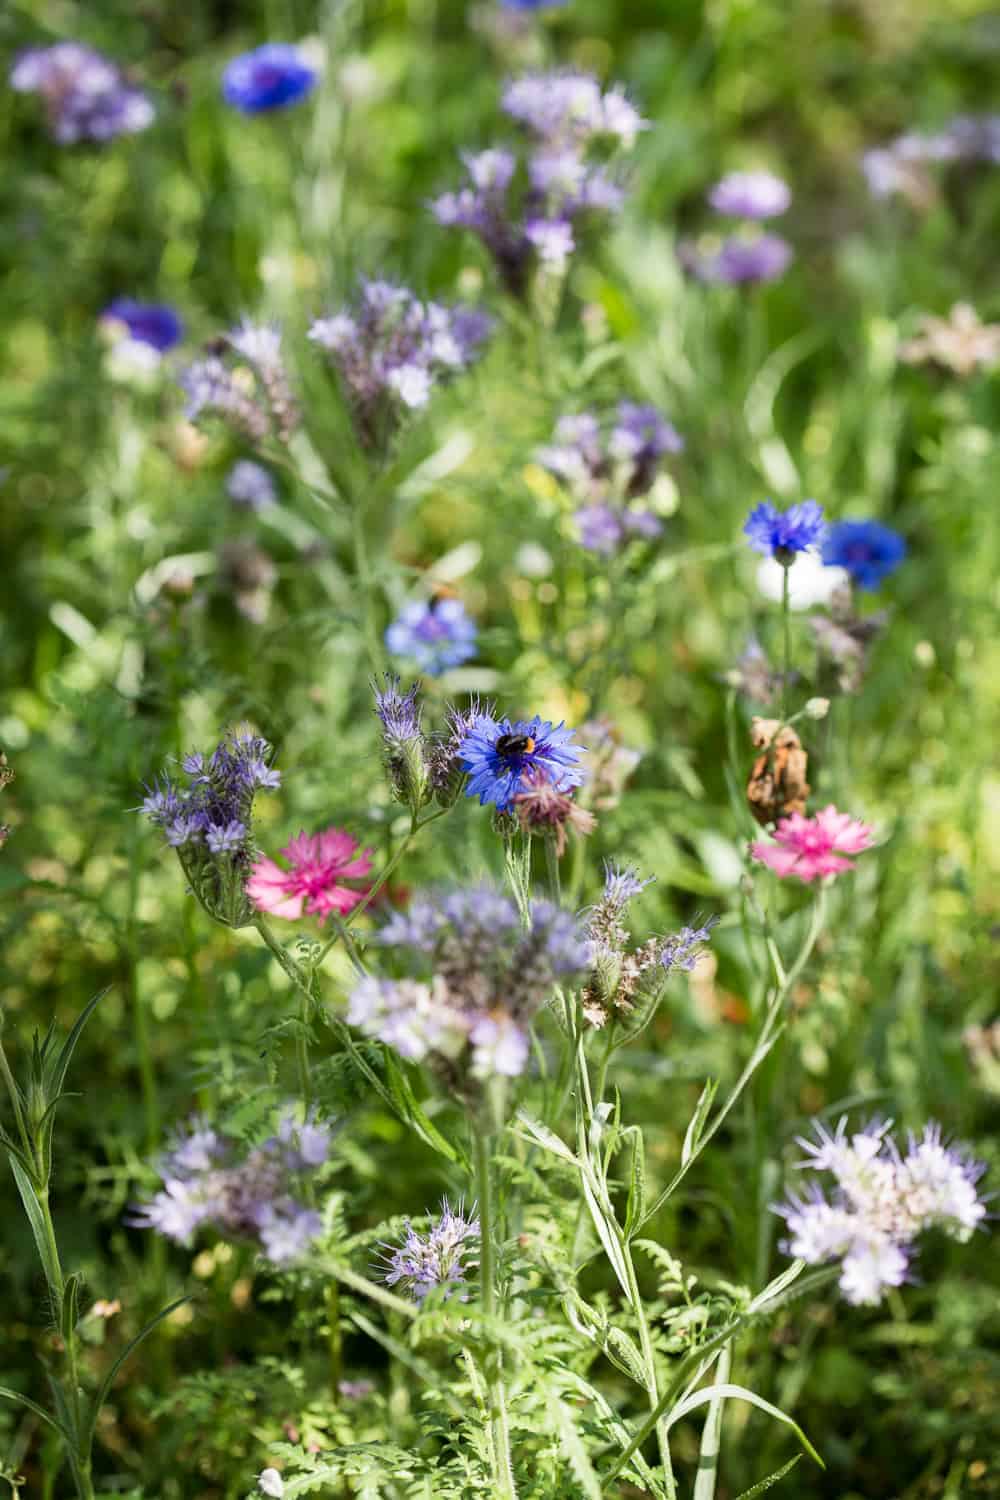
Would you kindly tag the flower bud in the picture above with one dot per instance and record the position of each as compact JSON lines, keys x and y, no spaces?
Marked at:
{"x":818,"y":708}
{"x":270,"y":1482}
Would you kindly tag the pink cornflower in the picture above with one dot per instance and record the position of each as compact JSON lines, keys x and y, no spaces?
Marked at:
{"x":320,"y":863}
{"x":808,"y":847}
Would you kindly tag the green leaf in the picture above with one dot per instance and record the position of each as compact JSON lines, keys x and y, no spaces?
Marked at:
{"x":411,"y":1111}
{"x":573,"y":1447}
{"x":101,"y":1394}
{"x":772,"y":1479}
{"x":636,"y":1206}
{"x":39,"y":1411}
{"x":727,"y":1392}
{"x":46,"y":1253}
{"x":544,"y":1137}
{"x":70,"y":1312}
{"x":58,"y":1075}
{"x":692,"y":1135}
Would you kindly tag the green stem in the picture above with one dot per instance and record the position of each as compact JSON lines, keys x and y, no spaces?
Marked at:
{"x":711,"y":1436}
{"x":370,"y":1289}
{"x":552,"y":869}
{"x":140,"y":1024}
{"x":503,"y":1476}
{"x":649,"y":1360}
{"x":334,"y":1342}
{"x":786,"y":629}
{"x":366,"y":587}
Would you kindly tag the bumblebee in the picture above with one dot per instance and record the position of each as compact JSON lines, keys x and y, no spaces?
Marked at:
{"x":510,"y":745}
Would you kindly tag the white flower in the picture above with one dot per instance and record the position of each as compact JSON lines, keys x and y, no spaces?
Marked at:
{"x":810,"y":582}
{"x":412,"y":384}
{"x":271,"y":1482}
{"x":869,"y":1268}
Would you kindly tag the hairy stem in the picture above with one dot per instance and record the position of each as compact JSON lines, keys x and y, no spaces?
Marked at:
{"x":503,"y":1474}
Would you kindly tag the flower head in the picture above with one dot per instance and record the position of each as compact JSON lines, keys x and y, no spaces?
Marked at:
{"x":270,"y":77}
{"x":441,"y":1257}
{"x":208,"y":819}
{"x":867,"y":550}
{"x":542,"y":809}
{"x":812,"y":847}
{"x":961,"y":342}
{"x":750,"y":195}
{"x":244,"y":380}
{"x":482,"y":976}
{"x":882,"y":1200}
{"x":498,"y":756}
{"x":782,"y":533}
{"x":85,"y":95}
{"x":250,"y":484}
{"x":391,"y":350}
{"x":435,"y":635}
{"x":740,"y":260}
{"x":152,"y":323}
{"x":210,"y":1178}
{"x":533,"y":224}
{"x":318,"y":880}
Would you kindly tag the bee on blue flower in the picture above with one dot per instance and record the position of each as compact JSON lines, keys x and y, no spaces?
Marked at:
{"x":868,"y":550}
{"x":502,"y":756}
{"x":782,"y":533}
{"x":269,"y":77}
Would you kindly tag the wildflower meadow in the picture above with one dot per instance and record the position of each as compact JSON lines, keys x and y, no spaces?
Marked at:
{"x":500,"y":806}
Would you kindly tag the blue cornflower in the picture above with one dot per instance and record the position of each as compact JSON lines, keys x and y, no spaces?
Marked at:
{"x":152,"y":323}
{"x":270,"y":77}
{"x":782,"y":533}
{"x":498,"y":755}
{"x":435,"y":635}
{"x":867,"y":549}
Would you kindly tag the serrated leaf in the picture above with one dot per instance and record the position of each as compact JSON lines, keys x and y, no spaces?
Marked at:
{"x":572,"y":1445}
{"x":772,"y":1479}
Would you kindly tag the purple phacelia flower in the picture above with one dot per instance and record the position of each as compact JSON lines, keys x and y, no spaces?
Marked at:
{"x":741,"y":260}
{"x":250,"y":484}
{"x":270,"y":77}
{"x":209,"y":1178}
{"x":391,"y":351}
{"x":85,"y":95}
{"x":750,"y":195}
{"x":441,"y":1257}
{"x":882,"y":1200}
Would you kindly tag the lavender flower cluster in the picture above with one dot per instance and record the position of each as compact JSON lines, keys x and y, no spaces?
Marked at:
{"x":485,"y":977}
{"x":85,"y":96}
{"x":610,"y":466}
{"x":532,"y":221}
{"x":749,"y":254}
{"x":243,"y":379}
{"x":881,"y":1202}
{"x":441,"y":1257}
{"x":901,"y":165}
{"x":618,"y":970}
{"x":208,"y":821}
{"x":208,"y":1179}
{"x":392,"y":349}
